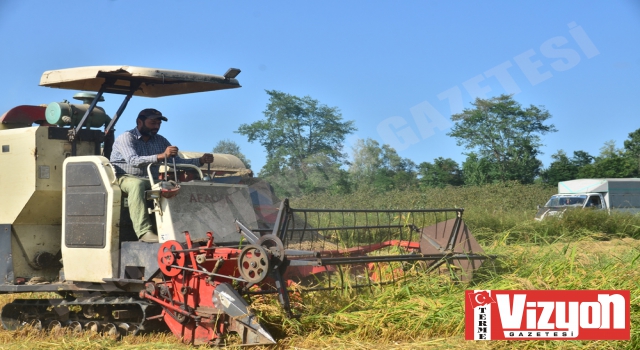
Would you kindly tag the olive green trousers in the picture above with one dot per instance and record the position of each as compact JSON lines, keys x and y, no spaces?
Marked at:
{"x":135,"y":187}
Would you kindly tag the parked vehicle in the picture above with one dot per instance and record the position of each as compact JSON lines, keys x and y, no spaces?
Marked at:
{"x":609,"y":194}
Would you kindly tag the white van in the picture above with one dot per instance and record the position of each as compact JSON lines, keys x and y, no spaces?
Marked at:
{"x":609,"y":194}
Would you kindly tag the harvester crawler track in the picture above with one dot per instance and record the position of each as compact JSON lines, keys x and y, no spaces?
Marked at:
{"x":112,"y":315}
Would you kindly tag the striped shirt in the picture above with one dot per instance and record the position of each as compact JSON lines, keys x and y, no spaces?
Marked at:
{"x":131,"y":155}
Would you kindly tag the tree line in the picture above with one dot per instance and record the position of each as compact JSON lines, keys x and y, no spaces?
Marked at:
{"x":304,"y":142}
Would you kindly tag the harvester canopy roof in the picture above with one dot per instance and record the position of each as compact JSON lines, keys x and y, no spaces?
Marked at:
{"x":153,"y":82}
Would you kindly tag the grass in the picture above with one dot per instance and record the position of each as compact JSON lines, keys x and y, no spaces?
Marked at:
{"x":492,"y":211}
{"x":432,"y":308}
{"x":582,"y":250}
{"x":497,"y":206}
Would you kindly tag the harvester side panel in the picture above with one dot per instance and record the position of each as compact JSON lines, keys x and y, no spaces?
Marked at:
{"x":6,"y":262}
{"x":138,"y":260}
{"x":31,"y":175}
{"x":91,"y":202}
{"x":201,"y":207}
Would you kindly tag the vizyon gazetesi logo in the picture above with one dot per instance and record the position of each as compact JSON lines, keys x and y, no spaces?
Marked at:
{"x":547,"y":314}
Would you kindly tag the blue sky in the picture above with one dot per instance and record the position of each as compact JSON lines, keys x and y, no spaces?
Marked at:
{"x":397,"y":68}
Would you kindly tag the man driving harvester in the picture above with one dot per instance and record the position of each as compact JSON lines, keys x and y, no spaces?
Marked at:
{"x":132,"y":152}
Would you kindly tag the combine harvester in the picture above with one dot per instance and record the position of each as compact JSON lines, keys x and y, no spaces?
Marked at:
{"x":65,"y":228}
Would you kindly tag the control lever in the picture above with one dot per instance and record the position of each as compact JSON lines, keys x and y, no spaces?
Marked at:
{"x":207,"y":177}
{"x":175,"y":172}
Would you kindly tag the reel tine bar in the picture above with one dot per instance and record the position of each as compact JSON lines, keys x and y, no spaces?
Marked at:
{"x":353,"y":248}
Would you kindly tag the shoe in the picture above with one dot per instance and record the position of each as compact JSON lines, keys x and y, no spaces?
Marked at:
{"x":149,"y":237}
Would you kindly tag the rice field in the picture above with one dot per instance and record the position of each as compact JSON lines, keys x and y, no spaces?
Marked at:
{"x":582,"y":250}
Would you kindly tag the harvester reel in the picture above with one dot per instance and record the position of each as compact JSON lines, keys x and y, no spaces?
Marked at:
{"x":254,"y":263}
{"x":167,"y":258}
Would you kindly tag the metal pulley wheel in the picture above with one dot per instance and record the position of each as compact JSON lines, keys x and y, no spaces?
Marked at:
{"x":273,"y":244}
{"x":254,"y":263}
{"x":168,"y":258}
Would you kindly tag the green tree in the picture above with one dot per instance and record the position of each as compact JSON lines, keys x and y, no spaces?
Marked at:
{"x":440,"y":173}
{"x":230,"y":147}
{"x":632,"y":145}
{"x":501,"y":131}
{"x":523,"y":166}
{"x":632,"y":148}
{"x":402,"y":170}
{"x":298,"y":133}
{"x":477,"y":170}
{"x":581,"y":158}
{"x":561,"y":169}
{"x":366,"y":160}
{"x":320,"y":174}
{"x":380,"y":167}
{"x":611,"y":163}
{"x":564,"y":168}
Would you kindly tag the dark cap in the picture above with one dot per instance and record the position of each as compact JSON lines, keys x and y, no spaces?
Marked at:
{"x":151,"y":113}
